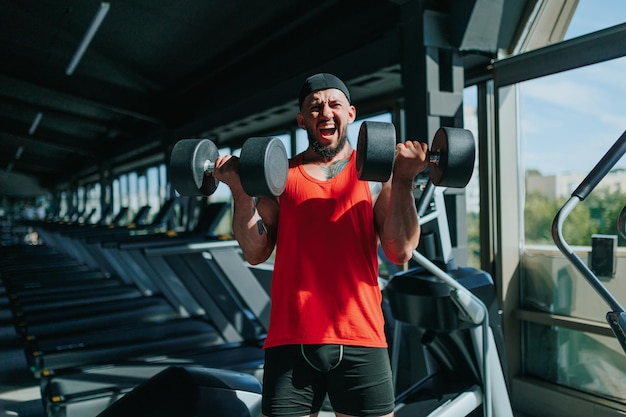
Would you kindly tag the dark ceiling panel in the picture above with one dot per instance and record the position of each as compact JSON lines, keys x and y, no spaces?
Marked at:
{"x":159,"y":69}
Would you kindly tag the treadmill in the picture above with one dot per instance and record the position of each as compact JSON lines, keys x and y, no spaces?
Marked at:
{"x":54,"y":351}
{"x":94,"y":387}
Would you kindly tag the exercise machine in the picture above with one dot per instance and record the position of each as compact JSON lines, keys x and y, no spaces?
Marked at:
{"x":455,"y":314}
{"x":616,"y":317}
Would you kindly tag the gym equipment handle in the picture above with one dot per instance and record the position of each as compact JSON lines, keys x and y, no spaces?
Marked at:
{"x":602,"y":168}
{"x":209,"y":166}
{"x":434,"y":157}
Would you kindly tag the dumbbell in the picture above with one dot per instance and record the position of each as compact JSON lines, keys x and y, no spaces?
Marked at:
{"x":451,"y":155}
{"x":263,"y":166}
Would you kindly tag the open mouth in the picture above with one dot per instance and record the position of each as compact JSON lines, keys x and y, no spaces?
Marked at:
{"x":327,"y":132}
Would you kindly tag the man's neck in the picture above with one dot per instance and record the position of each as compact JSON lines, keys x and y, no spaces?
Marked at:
{"x":310,"y":156}
{"x":326,"y":168}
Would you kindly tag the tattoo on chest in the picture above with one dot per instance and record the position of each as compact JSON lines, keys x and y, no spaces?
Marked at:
{"x":332,"y":170}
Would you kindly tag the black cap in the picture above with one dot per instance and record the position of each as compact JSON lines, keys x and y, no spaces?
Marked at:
{"x":322,"y":81}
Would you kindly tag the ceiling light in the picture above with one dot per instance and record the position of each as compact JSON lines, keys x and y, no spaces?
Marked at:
{"x":35,"y":123}
{"x":91,"y":31}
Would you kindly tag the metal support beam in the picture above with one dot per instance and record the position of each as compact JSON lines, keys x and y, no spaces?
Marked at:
{"x":433,"y":79}
{"x":476,"y":24}
{"x":432,"y":74}
{"x":574,"y":53}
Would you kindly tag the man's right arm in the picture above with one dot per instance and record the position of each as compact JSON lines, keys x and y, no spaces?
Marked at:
{"x":254,"y":224}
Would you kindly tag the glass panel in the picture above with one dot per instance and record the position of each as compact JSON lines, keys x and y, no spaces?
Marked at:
{"x":80,"y":199}
{"x":593,"y":15}
{"x":142,"y":190}
{"x":152,"y":177}
{"x":93,"y":202}
{"x":63,"y":204}
{"x":133,"y":200}
{"x":143,"y":197}
{"x":117,"y":199}
{"x":163,"y":195}
{"x":472,"y":190}
{"x":124,"y":198}
{"x":551,"y":284}
{"x":576,"y":113}
{"x":583,"y":361}
{"x":569,"y":120}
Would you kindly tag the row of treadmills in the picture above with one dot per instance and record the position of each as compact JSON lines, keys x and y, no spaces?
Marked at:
{"x":103,"y":308}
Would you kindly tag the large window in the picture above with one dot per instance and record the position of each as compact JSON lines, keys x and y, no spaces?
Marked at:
{"x":558,"y":112}
{"x":566,"y":123}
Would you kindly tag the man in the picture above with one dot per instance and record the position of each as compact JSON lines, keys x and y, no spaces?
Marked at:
{"x":326,"y":333}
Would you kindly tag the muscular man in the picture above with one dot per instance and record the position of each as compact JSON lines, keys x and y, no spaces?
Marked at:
{"x":326,"y":333}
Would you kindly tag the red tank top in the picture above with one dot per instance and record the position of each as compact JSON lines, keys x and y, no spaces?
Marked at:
{"x":325,"y":282}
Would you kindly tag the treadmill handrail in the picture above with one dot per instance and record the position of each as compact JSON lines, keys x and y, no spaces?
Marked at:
{"x":190,"y":247}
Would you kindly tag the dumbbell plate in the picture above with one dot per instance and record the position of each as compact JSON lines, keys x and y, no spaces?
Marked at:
{"x":457,"y":152}
{"x":263,"y":166}
{"x":187,"y":167}
{"x":376,"y":150}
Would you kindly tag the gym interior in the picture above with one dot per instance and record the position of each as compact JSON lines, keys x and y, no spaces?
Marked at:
{"x":121,"y":295}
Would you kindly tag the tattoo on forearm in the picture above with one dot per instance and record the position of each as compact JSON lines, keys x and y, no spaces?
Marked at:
{"x":334,"y":169}
{"x":259,"y":223}
{"x":261,"y":226}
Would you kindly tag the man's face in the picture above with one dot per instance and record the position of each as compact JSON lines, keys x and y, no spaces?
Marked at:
{"x":325,"y":115}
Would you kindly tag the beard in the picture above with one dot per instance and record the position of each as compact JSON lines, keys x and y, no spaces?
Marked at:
{"x":326,"y":151}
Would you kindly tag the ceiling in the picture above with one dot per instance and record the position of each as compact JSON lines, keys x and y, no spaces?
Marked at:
{"x":156,"y":71}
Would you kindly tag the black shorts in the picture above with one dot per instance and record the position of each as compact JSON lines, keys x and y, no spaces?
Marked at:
{"x":297,"y":378}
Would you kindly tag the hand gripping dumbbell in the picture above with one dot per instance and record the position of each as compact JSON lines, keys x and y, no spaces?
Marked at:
{"x":263,"y":166}
{"x":451,"y":154}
